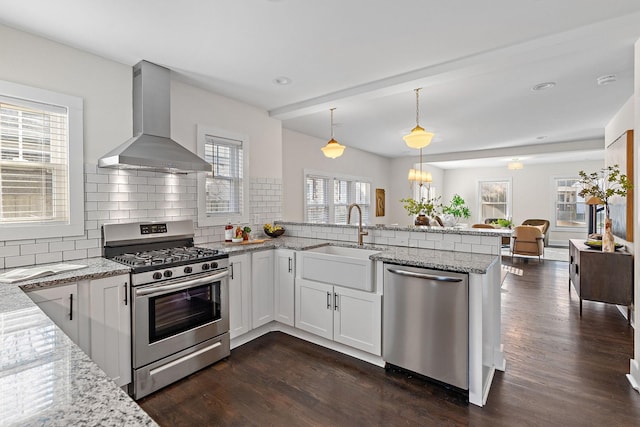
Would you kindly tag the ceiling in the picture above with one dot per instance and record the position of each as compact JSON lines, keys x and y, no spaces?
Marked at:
{"x":476,"y":63}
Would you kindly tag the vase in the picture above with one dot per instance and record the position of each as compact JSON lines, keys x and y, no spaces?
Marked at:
{"x":422,"y":219}
{"x":608,"y":241}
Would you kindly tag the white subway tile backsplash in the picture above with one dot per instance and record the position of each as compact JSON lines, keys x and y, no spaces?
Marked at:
{"x":10,"y":251}
{"x":118,"y":179}
{"x":37,"y":248}
{"x":71,"y":255}
{"x":17,"y":261}
{"x":113,"y":195}
{"x":118,"y":197}
{"x":62,"y":246}
{"x":48,"y":257}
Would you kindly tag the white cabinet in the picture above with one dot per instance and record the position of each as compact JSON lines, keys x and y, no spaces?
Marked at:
{"x":314,"y":307}
{"x":110,"y":319}
{"x":357,"y":320}
{"x":262,"y":293}
{"x":284,"y":285}
{"x":60,"y":303}
{"x":239,"y":294}
{"x":351,"y":317}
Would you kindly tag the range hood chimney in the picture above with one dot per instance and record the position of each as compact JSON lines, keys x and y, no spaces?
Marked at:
{"x":152,"y":148}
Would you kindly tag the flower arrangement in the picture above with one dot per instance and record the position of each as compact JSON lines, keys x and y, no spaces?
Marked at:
{"x":457,"y":208}
{"x":604,"y":184}
{"x":423,"y":206}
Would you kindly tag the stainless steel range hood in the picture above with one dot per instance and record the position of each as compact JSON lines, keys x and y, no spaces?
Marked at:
{"x":152,"y":148}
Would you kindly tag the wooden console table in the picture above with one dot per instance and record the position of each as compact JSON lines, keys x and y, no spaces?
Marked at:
{"x":601,"y":276}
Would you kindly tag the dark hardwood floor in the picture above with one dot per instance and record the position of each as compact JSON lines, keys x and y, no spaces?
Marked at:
{"x":561,"y":370}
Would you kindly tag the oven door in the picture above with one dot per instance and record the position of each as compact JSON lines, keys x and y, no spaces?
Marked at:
{"x":174,"y":315}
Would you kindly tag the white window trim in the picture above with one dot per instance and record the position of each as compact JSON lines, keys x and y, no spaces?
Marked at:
{"x":509,"y":196}
{"x":222,"y":219}
{"x":332,"y":176}
{"x":75,"y":225}
{"x":553,"y":226}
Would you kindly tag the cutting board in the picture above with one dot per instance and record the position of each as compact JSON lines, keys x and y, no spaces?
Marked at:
{"x":251,"y":242}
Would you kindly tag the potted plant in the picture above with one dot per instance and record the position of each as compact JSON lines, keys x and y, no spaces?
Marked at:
{"x":602,"y":185}
{"x":457,"y":208}
{"x":422,"y":208}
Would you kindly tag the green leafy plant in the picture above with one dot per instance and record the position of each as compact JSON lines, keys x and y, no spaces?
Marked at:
{"x":504,"y":223}
{"x":604,"y":184}
{"x":422,"y":206}
{"x":457,"y":208}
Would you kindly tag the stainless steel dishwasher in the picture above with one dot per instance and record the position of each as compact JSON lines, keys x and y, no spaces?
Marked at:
{"x":425,"y":323}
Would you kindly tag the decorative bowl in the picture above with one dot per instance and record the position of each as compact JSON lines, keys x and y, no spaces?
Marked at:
{"x":597,"y":244}
{"x":274,"y":233}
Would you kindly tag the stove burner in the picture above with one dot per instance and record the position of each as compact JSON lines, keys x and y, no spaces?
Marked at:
{"x":165,"y":256}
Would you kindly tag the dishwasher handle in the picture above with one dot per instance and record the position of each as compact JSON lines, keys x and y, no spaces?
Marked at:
{"x":423,"y":276}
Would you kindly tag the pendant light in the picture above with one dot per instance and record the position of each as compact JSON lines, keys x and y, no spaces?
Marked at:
{"x":418,"y":138}
{"x":333,"y":149}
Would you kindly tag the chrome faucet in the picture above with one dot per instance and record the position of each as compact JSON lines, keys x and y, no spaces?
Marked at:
{"x":360,"y":232}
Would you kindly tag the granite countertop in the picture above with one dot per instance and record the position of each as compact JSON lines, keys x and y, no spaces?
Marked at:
{"x":45,"y":379}
{"x":461,"y":262}
{"x":469,"y":231}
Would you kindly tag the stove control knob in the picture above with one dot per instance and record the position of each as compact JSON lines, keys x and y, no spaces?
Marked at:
{"x":214,"y":265}
{"x":157,"y":276}
{"x":205,"y":266}
{"x":168,"y":273}
{"x":188,"y":270}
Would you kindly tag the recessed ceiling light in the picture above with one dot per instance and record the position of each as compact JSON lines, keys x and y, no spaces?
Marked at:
{"x":282,"y":80}
{"x":541,"y":137}
{"x":605,"y":80}
{"x":543,"y":86}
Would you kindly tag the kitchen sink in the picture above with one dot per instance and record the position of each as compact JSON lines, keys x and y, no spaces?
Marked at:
{"x":337,"y":265}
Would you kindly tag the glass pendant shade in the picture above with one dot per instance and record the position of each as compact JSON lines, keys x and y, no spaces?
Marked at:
{"x":418,"y":138}
{"x":333,"y":149}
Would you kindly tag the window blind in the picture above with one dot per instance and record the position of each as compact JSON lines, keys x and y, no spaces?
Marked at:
{"x":327,"y":198}
{"x":317,"y":199}
{"x":224,"y":192}
{"x":34,"y":172}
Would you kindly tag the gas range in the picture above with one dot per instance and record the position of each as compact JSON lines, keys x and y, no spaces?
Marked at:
{"x":179,"y":297}
{"x":158,"y":251}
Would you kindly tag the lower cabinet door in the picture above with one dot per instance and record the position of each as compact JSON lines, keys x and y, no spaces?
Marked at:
{"x":239,"y":294}
{"x":61,"y":305}
{"x":314,"y":307}
{"x":358,"y":319}
{"x":110,"y":315}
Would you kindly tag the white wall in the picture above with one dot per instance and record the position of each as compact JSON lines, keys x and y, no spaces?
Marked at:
{"x":191,"y":106}
{"x":104,"y":85}
{"x":532,"y":190}
{"x":300,"y":151}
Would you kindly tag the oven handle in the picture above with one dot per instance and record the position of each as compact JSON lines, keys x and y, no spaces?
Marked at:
{"x":152,"y":290}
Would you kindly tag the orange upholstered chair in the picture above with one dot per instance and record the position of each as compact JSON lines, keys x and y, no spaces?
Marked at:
{"x":527,"y":240}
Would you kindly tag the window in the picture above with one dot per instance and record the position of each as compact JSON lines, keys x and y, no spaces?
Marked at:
{"x":327,"y":198}
{"x":223,"y":194}
{"x":570,"y":209}
{"x":495,"y":199}
{"x":40,"y":181}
